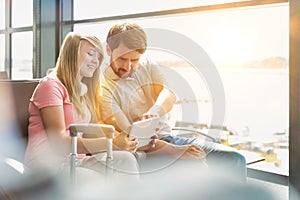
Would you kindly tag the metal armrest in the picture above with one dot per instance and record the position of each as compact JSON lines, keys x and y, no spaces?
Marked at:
{"x":187,"y":131}
{"x":16,"y":165}
{"x":99,"y":130}
{"x":102,"y":130}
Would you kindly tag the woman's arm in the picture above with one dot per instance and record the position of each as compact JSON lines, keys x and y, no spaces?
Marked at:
{"x":53,"y":121}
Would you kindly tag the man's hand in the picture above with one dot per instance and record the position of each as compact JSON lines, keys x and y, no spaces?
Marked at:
{"x":122,"y":142}
{"x":145,"y":116}
{"x":192,"y":151}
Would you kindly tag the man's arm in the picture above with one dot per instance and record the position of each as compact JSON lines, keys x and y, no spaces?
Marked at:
{"x":122,"y":124}
{"x":164,"y":97}
{"x":164,"y":102}
{"x":111,"y":113}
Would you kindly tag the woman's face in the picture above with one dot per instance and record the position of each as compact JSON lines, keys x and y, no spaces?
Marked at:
{"x":89,"y":59}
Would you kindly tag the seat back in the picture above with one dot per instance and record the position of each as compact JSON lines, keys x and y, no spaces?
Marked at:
{"x":21,"y":92}
{"x":3,"y":75}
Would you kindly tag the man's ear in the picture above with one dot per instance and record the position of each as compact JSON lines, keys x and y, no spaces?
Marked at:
{"x":108,"y":50}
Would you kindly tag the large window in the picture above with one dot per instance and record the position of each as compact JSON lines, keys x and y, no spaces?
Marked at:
{"x":24,"y":7}
{"x":249,"y":47}
{"x":2,"y":50}
{"x":246,"y":40}
{"x":2,"y":36}
{"x":2,"y":14}
{"x":82,"y":10}
{"x":16,"y":38}
{"x":22,"y":45}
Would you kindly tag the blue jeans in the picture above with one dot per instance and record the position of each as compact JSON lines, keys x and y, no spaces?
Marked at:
{"x":218,"y":156}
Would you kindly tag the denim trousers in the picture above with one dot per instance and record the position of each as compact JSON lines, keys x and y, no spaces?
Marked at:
{"x":219,"y":157}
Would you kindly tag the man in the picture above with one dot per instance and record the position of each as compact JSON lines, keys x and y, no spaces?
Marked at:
{"x":133,"y":90}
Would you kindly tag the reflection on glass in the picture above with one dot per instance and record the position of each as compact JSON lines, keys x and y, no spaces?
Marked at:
{"x":249,"y":47}
{"x":2,"y":52}
{"x":2,"y":14}
{"x":22,"y":13}
{"x":82,"y":10}
{"x":22,"y":48}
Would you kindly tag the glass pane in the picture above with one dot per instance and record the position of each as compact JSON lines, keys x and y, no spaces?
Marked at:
{"x":22,"y":49}
{"x":94,"y":8}
{"x":249,"y":47}
{"x":250,"y":50}
{"x":2,"y":14}
{"x":2,"y":52}
{"x":22,"y":13}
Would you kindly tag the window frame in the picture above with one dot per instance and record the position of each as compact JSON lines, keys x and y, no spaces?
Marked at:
{"x":8,"y":31}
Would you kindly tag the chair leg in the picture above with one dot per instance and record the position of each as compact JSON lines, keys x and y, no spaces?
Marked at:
{"x":109,"y":161}
{"x":73,"y":160}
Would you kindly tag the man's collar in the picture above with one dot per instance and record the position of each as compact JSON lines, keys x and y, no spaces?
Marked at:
{"x":111,"y":74}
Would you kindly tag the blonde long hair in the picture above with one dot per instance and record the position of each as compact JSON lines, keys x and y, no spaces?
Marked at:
{"x":67,"y":71}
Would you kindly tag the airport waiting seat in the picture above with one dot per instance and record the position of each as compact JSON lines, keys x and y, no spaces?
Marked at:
{"x":15,"y":175}
{"x":21,"y":92}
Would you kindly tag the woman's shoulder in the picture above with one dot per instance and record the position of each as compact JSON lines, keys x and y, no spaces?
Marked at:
{"x":51,"y":83}
{"x":50,"y":88}
{"x":47,"y":80}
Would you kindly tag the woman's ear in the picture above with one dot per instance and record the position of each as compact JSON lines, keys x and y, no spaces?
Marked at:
{"x":108,"y":50}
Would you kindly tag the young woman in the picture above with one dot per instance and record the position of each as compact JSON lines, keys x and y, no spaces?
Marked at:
{"x":70,"y":95}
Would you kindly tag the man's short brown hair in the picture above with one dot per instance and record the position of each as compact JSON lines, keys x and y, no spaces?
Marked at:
{"x":130,"y":34}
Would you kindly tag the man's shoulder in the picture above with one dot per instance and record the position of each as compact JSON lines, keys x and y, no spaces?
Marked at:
{"x":145,"y":65}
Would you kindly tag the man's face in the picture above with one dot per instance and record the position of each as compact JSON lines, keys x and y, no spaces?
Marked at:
{"x":123,"y":60}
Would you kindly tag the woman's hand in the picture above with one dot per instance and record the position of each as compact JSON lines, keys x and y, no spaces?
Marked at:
{"x":122,"y":142}
{"x":150,"y":145}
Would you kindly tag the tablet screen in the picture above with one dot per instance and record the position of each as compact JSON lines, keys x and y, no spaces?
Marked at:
{"x":144,"y":129}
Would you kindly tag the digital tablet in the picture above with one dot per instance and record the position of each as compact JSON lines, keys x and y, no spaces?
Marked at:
{"x":144,"y":129}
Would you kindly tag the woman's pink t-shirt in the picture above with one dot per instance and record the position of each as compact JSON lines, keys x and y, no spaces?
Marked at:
{"x":49,"y":92}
